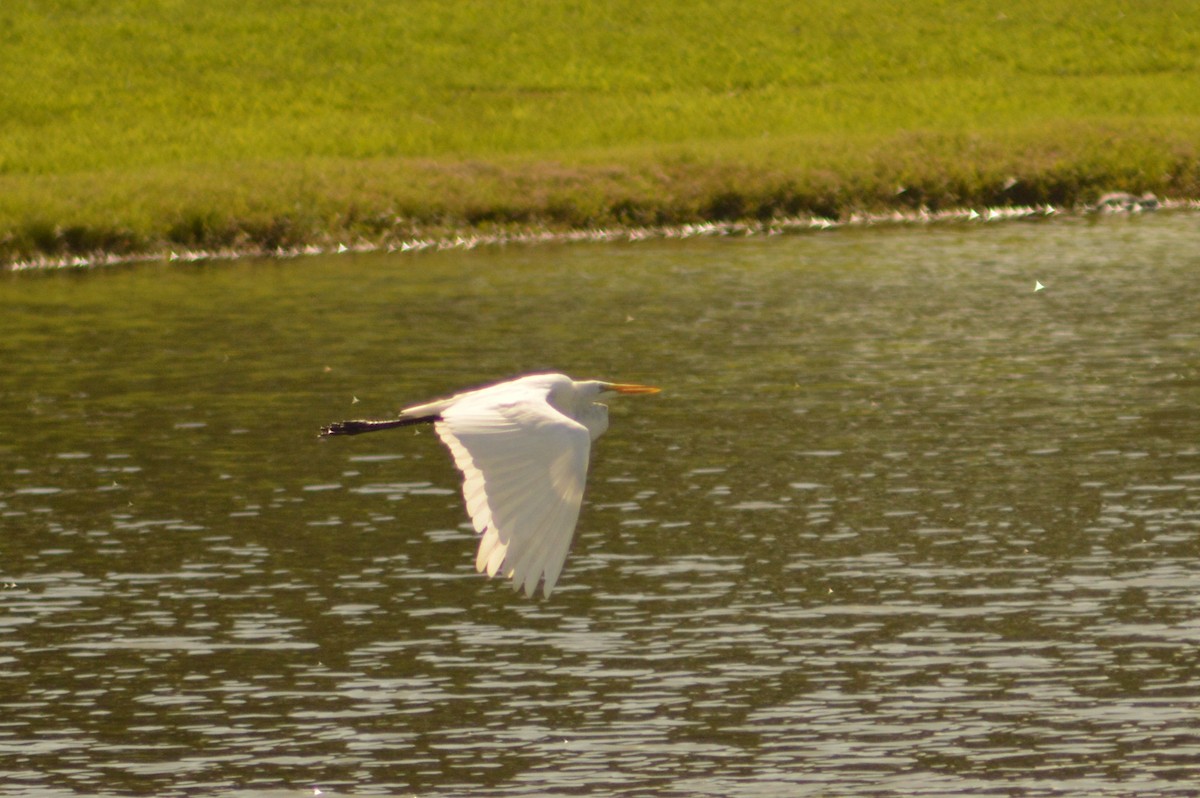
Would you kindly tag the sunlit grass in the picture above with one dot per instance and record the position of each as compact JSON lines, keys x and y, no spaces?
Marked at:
{"x":146,"y":123}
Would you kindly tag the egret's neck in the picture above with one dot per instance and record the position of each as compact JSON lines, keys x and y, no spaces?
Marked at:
{"x":595,"y":417}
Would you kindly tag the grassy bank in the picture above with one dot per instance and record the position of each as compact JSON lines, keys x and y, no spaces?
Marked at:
{"x":136,"y":125}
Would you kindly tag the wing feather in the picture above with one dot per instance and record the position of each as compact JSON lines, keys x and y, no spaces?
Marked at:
{"x":557,"y":549}
{"x":551,"y":552}
{"x":526,"y":564}
{"x":524,"y":465}
{"x":487,"y":542}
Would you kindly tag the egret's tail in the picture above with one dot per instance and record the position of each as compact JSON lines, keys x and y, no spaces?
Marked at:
{"x":358,"y":426}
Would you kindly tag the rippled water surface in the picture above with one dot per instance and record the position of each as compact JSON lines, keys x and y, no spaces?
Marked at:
{"x":898,"y":524}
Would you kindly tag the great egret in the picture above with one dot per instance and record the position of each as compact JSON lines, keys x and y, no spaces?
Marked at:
{"x":522,"y":447}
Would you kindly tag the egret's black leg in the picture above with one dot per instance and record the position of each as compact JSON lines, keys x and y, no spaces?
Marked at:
{"x":358,"y":426}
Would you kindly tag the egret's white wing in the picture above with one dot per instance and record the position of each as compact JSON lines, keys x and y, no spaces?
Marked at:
{"x":524,"y":466}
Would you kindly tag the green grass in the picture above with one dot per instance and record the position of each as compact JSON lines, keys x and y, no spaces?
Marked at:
{"x":143,"y":124}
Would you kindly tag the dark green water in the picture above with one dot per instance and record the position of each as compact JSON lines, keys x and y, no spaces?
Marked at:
{"x":897,"y":523}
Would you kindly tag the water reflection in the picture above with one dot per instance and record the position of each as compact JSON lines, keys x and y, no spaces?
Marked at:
{"x":898,"y":524}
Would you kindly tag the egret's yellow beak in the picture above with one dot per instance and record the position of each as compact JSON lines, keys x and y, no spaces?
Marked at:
{"x":621,"y":387}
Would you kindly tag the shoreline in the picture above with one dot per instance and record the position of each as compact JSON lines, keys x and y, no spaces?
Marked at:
{"x":467,"y":238}
{"x":286,"y":209}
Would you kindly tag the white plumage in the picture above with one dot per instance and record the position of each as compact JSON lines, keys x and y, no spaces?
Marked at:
{"x":522,"y":447}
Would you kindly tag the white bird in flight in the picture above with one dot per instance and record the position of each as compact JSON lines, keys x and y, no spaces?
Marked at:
{"x":522,"y":447}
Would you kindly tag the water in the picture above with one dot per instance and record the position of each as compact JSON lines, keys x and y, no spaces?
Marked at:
{"x":898,"y":524}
